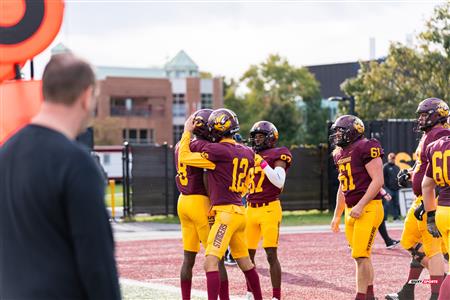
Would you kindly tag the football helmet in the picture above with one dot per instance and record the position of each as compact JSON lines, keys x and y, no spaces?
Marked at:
{"x":201,"y":123}
{"x":222,"y":123}
{"x":346,"y":130}
{"x":430,"y":112}
{"x":270,"y":135}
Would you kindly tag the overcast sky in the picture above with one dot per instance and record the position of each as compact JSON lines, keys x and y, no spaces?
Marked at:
{"x":226,"y":37}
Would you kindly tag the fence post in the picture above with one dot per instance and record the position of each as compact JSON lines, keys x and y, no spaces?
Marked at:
{"x":126,"y":179}
{"x":112,"y":190}
{"x":320,"y":147}
{"x":166,"y":175}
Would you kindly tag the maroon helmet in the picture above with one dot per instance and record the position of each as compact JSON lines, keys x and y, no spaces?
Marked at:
{"x":436,"y":111}
{"x":201,"y":123}
{"x":270,"y":132}
{"x":346,"y":130}
{"x":222,"y":123}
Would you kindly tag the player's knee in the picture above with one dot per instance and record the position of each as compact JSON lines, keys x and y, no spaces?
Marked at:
{"x":361,"y":259}
{"x":189,"y":259}
{"x":417,"y":255}
{"x":211,"y":263}
{"x":272,"y":257}
{"x":245,"y":263}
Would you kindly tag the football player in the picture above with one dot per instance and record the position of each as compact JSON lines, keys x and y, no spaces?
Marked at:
{"x":193,"y":208}
{"x":438,"y":218}
{"x":228,"y":165}
{"x":360,"y":167}
{"x":263,"y":203}
{"x":426,"y":251}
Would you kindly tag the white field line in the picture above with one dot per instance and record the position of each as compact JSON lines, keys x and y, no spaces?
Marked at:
{"x":167,"y":288}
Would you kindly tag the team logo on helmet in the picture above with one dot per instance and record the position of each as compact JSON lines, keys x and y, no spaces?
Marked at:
{"x":198,"y":121}
{"x":442,"y":109}
{"x":222,"y":123}
{"x":359,"y":125}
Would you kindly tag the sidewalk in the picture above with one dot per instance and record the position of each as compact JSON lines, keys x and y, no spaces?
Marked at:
{"x":160,"y":231}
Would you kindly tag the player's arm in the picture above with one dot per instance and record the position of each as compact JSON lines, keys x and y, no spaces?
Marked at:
{"x":277,"y":175}
{"x":339,"y":209}
{"x":375,"y":170}
{"x":428,"y":184}
{"x":428,"y":194}
{"x":185,"y":156}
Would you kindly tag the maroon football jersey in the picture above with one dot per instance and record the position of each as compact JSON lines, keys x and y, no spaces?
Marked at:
{"x":189,"y":180}
{"x":226,"y":182}
{"x":261,"y":189}
{"x":421,"y":160}
{"x":351,"y":162}
{"x":438,"y":162}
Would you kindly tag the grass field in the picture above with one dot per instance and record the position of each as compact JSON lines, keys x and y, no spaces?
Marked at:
{"x":290,"y":218}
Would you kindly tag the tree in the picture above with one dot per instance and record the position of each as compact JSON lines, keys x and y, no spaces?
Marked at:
{"x":282,"y":94}
{"x":392,"y":87}
{"x":107,"y":131}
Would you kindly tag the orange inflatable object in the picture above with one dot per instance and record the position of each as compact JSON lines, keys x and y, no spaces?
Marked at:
{"x":27,"y":27}
{"x":19,"y":102}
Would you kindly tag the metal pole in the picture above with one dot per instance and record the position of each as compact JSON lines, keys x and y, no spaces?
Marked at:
{"x":124,"y":194}
{"x":31,"y":69}
{"x":112,"y":189}
{"x":166,"y":174}
{"x":127,"y":177}
{"x":352,"y":105}
{"x":320,"y":146}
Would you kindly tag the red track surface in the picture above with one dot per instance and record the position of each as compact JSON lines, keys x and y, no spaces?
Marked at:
{"x":315,"y":266}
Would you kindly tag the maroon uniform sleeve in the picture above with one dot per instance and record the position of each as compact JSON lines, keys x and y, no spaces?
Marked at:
{"x":198,"y":145}
{"x":429,"y":171}
{"x":370,"y":150}
{"x":213,"y":152}
{"x":285,"y":155}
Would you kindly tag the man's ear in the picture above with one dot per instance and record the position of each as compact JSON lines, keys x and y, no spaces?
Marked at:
{"x":86,"y":97}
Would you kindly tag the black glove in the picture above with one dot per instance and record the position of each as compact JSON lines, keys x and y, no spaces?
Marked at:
{"x":211,"y":220}
{"x":431,"y":224}
{"x":403,"y":178}
{"x":419,"y":211}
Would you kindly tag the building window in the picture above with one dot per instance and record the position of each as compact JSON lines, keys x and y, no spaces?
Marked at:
{"x":179,"y":105}
{"x":177,"y":132}
{"x":143,"y":136}
{"x":138,"y":136}
{"x":206,"y":101}
{"x":132,"y":136}
{"x":130,"y":106}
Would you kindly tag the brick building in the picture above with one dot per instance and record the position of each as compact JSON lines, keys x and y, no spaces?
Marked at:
{"x":150,"y":105}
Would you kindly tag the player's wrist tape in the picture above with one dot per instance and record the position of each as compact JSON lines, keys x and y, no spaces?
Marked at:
{"x":431,"y":213}
{"x":263,"y":164}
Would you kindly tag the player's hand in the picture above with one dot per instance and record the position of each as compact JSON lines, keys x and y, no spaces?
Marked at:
{"x":419,"y":211}
{"x":189,"y":124}
{"x":387,"y":197}
{"x":356,"y":211}
{"x":431,"y":224}
{"x":403,"y":178}
{"x":335,"y":224}
{"x":211,"y":220}
{"x":211,"y":217}
{"x":258,"y":160}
